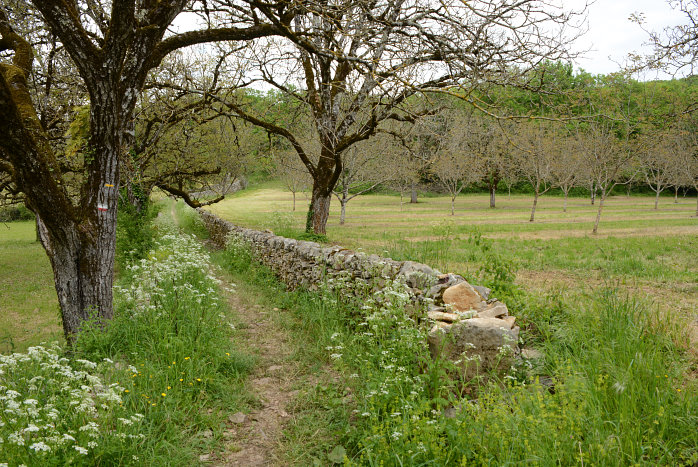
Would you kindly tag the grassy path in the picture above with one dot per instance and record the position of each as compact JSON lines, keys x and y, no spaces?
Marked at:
{"x":274,"y":430}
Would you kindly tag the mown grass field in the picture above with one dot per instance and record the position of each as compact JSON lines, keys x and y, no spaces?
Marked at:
{"x":28,"y":302}
{"x":648,"y":252}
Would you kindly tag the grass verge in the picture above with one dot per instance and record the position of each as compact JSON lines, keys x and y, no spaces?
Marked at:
{"x":152,"y":387}
{"x":617,"y":392}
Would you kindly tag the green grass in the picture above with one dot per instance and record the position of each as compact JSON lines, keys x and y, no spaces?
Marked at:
{"x":620,"y":393}
{"x":28,"y":303}
{"x":637,"y":247}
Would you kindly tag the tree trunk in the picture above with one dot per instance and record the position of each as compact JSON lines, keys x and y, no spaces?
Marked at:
{"x":320,"y":203}
{"x":83,"y":273}
{"x":533,"y":209}
{"x":342,"y":214}
{"x":343,"y":203}
{"x":598,"y":212}
{"x":676,"y":195}
{"x":294,"y":201}
{"x":79,"y":238}
{"x":492,"y":196}
{"x":564,"y":204}
{"x":593,"y":193}
{"x":453,"y":205}
{"x":656,"y":201}
{"x":413,"y":193}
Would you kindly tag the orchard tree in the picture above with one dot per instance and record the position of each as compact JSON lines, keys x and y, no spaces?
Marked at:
{"x":606,"y":158}
{"x":113,"y":46}
{"x":364,"y":62}
{"x":658,"y":164}
{"x":456,"y":166}
{"x":536,"y":142}
{"x":687,"y":153}
{"x":291,"y":171}
{"x":366,"y":165}
{"x":566,"y":169}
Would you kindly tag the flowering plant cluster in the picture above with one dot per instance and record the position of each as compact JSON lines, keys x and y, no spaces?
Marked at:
{"x":54,"y":411}
{"x":388,"y":352}
{"x":178,"y":267}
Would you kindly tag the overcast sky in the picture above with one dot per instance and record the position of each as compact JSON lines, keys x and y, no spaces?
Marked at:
{"x":612,"y":36}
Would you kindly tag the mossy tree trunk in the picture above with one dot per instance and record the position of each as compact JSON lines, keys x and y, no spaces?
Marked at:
{"x":78,"y":232}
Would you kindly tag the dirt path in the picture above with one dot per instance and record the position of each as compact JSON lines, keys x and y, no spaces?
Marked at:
{"x":253,"y":438}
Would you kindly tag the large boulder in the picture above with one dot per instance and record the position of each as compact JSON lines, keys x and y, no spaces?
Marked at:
{"x":463,"y":297}
{"x":417,"y":275}
{"x":476,"y":345}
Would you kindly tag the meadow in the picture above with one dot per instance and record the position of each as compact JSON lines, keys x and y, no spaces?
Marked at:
{"x":646,"y":252}
{"x":28,"y":303}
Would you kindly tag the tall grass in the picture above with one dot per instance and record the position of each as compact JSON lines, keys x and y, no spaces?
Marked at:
{"x":615,"y":392}
{"x":152,"y":387}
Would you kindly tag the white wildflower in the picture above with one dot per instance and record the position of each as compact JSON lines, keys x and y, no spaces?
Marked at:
{"x":40,"y":446}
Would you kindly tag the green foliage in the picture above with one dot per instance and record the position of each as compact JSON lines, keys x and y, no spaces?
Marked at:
{"x":189,"y":220}
{"x":58,"y":411}
{"x":78,"y":132}
{"x":152,"y":386}
{"x":135,"y":232}
{"x":170,"y":329}
{"x":15,"y":213}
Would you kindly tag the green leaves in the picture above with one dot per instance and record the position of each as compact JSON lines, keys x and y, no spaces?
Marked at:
{"x":337,"y":455}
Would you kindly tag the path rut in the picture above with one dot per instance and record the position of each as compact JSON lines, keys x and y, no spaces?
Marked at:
{"x":255,"y":437}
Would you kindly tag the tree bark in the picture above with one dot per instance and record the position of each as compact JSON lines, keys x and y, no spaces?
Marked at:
{"x":413,"y":193}
{"x":676,"y":195}
{"x":592,"y":190}
{"x":343,"y":202}
{"x":321,"y":209}
{"x":83,"y":277}
{"x":294,"y":201}
{"x":564,"y":205}
{"x":453,"y":205}
{"x":342,"y":215}
{"x":492,"y":196}
{"x":656,"y":200}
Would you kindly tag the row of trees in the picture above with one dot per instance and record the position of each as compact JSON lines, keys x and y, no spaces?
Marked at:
{"x":604,"y":131}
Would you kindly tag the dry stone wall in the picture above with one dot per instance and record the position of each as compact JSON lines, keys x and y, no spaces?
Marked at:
{"x":468,"y":326}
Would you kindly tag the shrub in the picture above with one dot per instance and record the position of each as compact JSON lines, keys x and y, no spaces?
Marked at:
{"x":135,"y":233}
{"x":15,"y":213}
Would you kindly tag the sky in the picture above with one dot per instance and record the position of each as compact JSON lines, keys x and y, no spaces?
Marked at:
{"x":612,"y":35}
